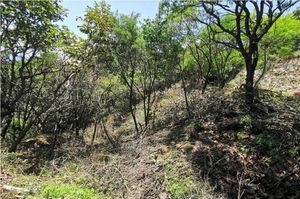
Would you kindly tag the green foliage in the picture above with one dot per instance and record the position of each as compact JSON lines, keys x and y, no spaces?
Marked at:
{"x":264,"y":140}
{"x":296,"y":13}
{"x":8,"y":156}
{"x":17,"y":122}
{"x":73,"y":167}
{"x":294,"y":151}
{"x":56,"y":191}
{"x":34,"y":70}
{"x":282,"y":40}
{"x":98,"y":21}
{"x":111,"y":90}
{"x":127,"y":31}
{"x":244,"y":148}
{"x":32,"y":21}
{"x":180,"y":186}
{"x":98,"y":25}
{"x":161,"y":42}
{"x":246,"y":121}
{"x":46,"y":172}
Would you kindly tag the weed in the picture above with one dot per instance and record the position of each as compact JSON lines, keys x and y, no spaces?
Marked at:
{"x":238,"y":135}
{"x":45,"y":172}
{"x":264,"y":140}
{"x":73,"y":167}
{"x":245,"y":148}
{"x":294,"y":151}
{"x":168,"y":157}
{"x":246,"y":121}
{"x":180,"y":186}
{"x":11,"y":156}
{"x":80,"y":180}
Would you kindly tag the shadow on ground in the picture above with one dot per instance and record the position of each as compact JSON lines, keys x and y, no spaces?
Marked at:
{"x":252,"y":155}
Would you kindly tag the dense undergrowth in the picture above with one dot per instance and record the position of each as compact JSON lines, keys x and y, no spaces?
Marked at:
{"x":223,"y":151}
{"x":194,"y":103}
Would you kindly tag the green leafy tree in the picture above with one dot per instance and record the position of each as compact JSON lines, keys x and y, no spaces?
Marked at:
{"x":34,"y":76}
{"x":249,"y":26}
{"x":281,"y":40}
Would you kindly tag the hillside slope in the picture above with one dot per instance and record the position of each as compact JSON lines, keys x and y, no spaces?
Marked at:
{"x":223,"y":151}
{"x":281,"y":76}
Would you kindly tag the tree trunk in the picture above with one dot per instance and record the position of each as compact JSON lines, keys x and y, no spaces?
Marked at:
{"x":206,"y":77}
{"x":132,"y":109}
{"x":131,"y":99}
{"x":186,"y":97}
{"x":110,"y":139}
{"x":249,"y":86}
{"x":149,"y":104}
{"x":251,"y":60}
{"x":16,"y":143}
{"x":94,"y":133}
{"x":77,"y":131}
{"x":264,"y":68}
{"x":134,"y":120}
{"x":145,"y":109}
{"x":56,"y":132}
{"x":5,"y":128}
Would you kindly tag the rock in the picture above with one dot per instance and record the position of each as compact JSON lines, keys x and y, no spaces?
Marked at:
{"x":164,"y":149}
{"x":13,"y":189}
{"x":163,"y":195}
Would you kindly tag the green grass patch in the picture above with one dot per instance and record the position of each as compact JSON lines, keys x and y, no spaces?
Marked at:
{"x":180,"y":186}
{"x":70,"y":191}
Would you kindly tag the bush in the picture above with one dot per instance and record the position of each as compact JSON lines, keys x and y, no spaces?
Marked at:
{"x":264,"y":140}
{"x":246,"y":121}
{"x":8,"y":156}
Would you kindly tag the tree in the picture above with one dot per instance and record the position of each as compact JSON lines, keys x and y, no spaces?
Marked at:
{"x":159,"y":59}
{"x":171,"y":50}
{"x":118,"y":46}
{"x":249,"y":26}
{"x":26,"y":32}
{"x":29,"y":79}
{"x":281,"y":40}
{"x":211,"y":58}
{"x":297,"y":13}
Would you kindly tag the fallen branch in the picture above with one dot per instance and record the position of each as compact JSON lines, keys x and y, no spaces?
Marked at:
{"x":13,"y":189}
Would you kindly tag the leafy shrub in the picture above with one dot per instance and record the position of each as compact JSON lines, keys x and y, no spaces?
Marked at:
{"x":115,"y":93}
{"x":73,"y":167}
{"x":9,"y":156}
{"x":245,"y":148}
{"x":246,"y":121}
{"x":264,"y":140}
{"x":294,"y":151}
{"x":282,"y":38}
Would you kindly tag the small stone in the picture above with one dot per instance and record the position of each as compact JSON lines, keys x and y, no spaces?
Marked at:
{"x":164,"y":149}
{"x":163,"y":195}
